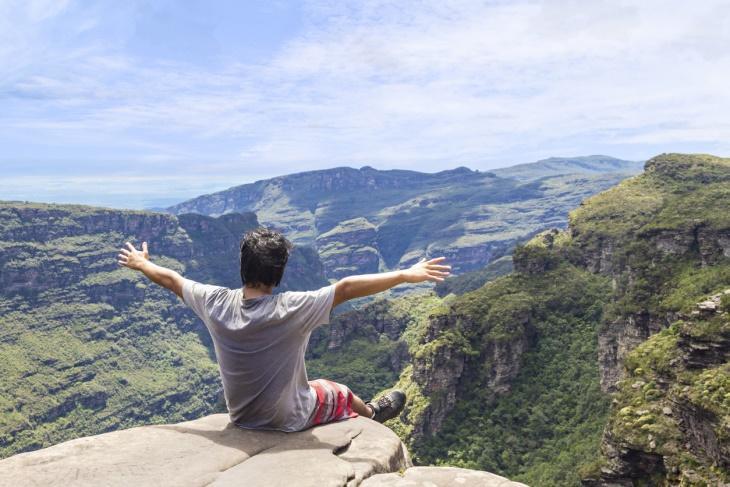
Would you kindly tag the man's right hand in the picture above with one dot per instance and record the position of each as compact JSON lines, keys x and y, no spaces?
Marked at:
{"x":427,"y":270}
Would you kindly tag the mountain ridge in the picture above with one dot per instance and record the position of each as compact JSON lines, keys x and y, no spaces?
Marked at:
{"x":550,"y":165}
{"x":366,"y":220}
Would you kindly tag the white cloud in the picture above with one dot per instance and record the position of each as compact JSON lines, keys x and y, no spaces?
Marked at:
{"x":425,"y":85}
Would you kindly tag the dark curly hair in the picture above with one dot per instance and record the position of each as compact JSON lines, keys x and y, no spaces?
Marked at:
{"x":264,"y":254}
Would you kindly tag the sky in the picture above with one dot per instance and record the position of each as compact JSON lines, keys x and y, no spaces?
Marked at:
{"x":146,"y":103}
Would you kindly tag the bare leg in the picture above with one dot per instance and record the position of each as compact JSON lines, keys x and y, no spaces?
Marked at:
{"x":360,"y":407}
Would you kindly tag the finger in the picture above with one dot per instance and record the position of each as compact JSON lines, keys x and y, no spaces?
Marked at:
{"x":436,"y":279}
{"x":121,"y":263}
{"x":439,"y":267}
{"x":123,"y":258}
{"x":144,"y":247}
{"x":125,"y":251}
{"x":439,"y":273}
{"x":423,"y":259}
{"x":436,"y":259}
{"x":131,"y":247}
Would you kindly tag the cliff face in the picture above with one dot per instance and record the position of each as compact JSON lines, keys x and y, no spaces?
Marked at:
{"x":669,"y":424}
{"x":513,"y":359}
{"x":362,"y":220}
{"x":88,"y":346}
{"x":523,"y":356}
{"x":661,"y":238}
{"x":650,"y":235}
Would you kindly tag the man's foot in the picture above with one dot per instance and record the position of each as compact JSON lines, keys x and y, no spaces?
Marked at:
{"x":388,"y":406}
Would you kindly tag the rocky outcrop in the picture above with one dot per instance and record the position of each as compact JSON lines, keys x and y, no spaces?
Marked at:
{"x":626,"y":466}
{"x":659,"y":224}
{"x":211,"y":451}
{"x":700,"y":428}
{"x":437,"y":372}
{"x":456,"y":351}
{"x":618,"y":339}
{"x":698,"y":245}
{"x":439,"y":477}
{"x":671,"y":411}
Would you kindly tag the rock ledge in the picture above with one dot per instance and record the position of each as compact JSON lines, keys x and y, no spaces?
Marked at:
{"x":210,"y":451}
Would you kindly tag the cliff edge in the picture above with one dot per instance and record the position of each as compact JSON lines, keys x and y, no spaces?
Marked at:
{"x":210,"y":451}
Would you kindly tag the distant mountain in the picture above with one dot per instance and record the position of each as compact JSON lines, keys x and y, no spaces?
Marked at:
{"x":367,"y":220}
{"x":87,"y":346}
{"x":556,"y":166}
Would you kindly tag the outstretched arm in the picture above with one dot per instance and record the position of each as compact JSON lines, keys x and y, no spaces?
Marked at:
{"x":139,"y":261}
{"x":364,"y":285}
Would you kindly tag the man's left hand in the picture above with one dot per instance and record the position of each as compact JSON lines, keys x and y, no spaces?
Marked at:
{"x":133,"y":258}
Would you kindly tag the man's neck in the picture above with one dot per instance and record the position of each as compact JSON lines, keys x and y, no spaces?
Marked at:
{"x":255,"y":292}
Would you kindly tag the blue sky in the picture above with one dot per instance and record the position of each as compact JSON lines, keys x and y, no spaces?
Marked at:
{"x":141,"y":103}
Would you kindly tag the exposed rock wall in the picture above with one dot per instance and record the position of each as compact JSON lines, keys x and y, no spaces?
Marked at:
{"x":670,"y":420}
{"x":657,"y":238}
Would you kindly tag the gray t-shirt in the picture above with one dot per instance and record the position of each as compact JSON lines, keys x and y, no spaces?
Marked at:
{"x":260,"y":344}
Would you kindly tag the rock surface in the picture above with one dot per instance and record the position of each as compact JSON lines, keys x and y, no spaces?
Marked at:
{"x":211,"y":451}
{"x":439,"y":477}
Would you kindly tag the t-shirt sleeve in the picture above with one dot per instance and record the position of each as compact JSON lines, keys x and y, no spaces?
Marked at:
{"x":314,"y":307}
{"x":200,"y":297}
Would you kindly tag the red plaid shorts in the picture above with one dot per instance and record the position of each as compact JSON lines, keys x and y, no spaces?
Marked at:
{"x":334,"y":402}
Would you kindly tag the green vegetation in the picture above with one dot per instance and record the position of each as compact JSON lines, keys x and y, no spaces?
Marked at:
{"x":658,"y":385}
{"x":469,"y":281}
{"x":87,"y":346}
{"x":72,"y":369}
{"x":677,"y":192}
{"x":554,"y":403}
{"x":362,"y":364}
{"x":372,"y":355}
{"x":660,"y":236}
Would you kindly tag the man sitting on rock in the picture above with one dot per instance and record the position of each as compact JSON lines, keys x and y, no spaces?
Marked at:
{"x":260,"y":337}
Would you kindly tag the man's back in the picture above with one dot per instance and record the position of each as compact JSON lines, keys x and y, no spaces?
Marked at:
{"x":260,"y":341}
{"x":260,"y":345}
